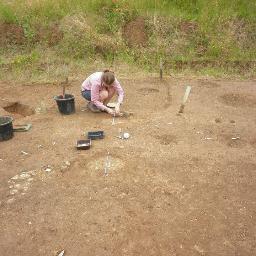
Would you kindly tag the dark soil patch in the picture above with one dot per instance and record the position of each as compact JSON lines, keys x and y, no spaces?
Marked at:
{"x":239,"y":66}
{"x":253,"y":143}
{"x":146,"y":91}
{"x":208,"y":84}
{"x":167,"y":139}
{"x":52,"y":34}
{"x":238,"y":100}
{"x":11,"y":34}
{"x":188,"y":27}
{"x":134,"y":33}
{"x":233,"y":141}
{"x":18,"y":108}
{"x":217,"y":120}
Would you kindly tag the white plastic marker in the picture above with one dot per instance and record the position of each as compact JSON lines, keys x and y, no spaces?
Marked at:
{"x":185,"y":98}
{"x":126,"y":135}
{"x":113,"y":119}
{"x":107,"y":165}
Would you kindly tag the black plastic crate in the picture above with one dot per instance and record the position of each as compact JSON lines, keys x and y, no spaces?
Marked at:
{"x":96,"y":135}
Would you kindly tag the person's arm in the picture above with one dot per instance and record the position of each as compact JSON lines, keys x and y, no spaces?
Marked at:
{"x":120,"y":92}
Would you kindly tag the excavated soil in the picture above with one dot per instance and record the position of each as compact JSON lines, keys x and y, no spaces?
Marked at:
{"x":180,"y":185}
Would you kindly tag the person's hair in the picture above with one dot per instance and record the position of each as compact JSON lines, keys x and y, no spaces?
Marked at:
{"x":108,"y":77}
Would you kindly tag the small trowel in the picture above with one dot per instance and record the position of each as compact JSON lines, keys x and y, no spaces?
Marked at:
{"x":22,"y":127}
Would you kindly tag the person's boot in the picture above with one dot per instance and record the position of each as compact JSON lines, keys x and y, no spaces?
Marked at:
{"x":92,"y":107}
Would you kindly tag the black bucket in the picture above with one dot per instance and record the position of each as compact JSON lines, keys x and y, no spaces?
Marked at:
{"x":66,"y":105}
{"x":6,"y":128}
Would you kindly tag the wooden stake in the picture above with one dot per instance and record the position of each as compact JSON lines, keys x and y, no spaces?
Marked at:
{"x":64,"y":88}
{"x":161,"y":68}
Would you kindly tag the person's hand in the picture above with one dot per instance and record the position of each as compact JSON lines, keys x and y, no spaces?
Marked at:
{"x":117,"y":108}
{"x":111,"y":111}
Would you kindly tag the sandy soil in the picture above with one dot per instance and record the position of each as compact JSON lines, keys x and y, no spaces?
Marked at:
{"x":180,"y":185}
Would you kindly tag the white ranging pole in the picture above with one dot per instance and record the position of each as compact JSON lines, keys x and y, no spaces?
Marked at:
{"x":185,"y":98}
{"x":107,"y":165}
{"x":113,"y":119}
{"x":161,"y":68}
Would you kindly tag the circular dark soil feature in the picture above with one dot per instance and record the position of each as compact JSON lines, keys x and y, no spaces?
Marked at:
{"x":11,"y":34}
{"x":146,"y":91}
{"x":167,"y":139}
{"x":253,"y":143}
{"x":217,"y":120}
{"x":18,"y":108}
{"x":236,"y":142}
{"x":238,"y":100}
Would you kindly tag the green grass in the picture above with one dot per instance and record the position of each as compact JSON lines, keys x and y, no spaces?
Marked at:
{"x":224,"y":30}
{"x":200,"y":10}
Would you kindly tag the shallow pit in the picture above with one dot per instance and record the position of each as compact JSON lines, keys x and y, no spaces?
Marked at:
{"x":238,"y":100}
{"x":19,"y":108}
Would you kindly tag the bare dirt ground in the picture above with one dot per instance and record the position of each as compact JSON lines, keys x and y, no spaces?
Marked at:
{"x":179,"y":186}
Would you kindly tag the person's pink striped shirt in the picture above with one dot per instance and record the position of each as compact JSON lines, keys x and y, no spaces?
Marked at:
{"x":94,"y":84}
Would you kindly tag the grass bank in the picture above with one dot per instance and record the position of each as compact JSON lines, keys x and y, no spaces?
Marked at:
{"x":39,"y":38}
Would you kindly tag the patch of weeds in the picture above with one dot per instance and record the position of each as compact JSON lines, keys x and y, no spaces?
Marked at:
{"x":212,"y":71}
{"x":29,"y":32}
{"x":25,"y":60}
{"x":115,"y":14}
{"x":7,"y":14}
{"x":76,"y":46}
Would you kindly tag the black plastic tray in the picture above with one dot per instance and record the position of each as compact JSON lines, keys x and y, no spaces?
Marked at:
{"x":83,"y":144}
{"x":95,"y":135}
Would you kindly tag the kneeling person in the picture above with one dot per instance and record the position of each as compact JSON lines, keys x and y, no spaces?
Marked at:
{"x":99,"y":88}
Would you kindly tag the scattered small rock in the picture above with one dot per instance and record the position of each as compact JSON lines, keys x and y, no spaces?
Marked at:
{"x":122,"y":195}
{"x":65,"y":166}
{"x":47,"y":168}
{"x":17,"y":186}
{"x":13,"y":191}
{"x":10,"y":201}
{"x":24,"y":175}
{"x":15,"y":177}
{"x":24,"y":153}
{"x":198,"y":249}
{"x":67,"y":163}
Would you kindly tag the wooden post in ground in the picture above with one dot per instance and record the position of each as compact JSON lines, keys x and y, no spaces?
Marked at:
{"x":161,"y":68}
{"x":64,"y":88}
